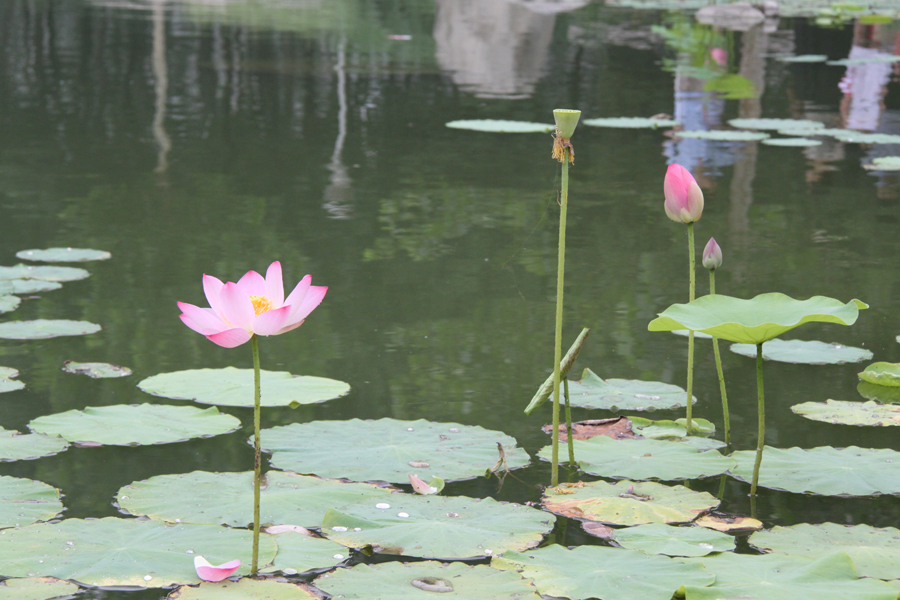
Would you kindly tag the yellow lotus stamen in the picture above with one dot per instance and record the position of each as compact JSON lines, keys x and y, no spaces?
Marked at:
{"x":261,"y":304}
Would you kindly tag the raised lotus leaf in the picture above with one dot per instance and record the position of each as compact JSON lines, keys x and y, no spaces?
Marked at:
{"x":37,"y":588}
{"x":632,"y":122}
{"x":243,"y":589}
{"x":724,"y":135}
{"x":96,"y":370}
{"x":803,"y":352}
{"x":44,"y":328}
{"x":7,"y":381}
{"x":501,"y":126}
{"x":58,"y":274}
{"x":63,"y":255}
{"x":775,"y":124}
{"x":25,"y":501}
{"x":882,"y":373}
{"x":837,"y":412}
{"x":625,"y":394}
{"x":16,"y":446}
{"x":673,"y":541}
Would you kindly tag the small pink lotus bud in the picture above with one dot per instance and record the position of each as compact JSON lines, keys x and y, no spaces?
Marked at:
{"x":712,"y":255}
{"x":684,"y":198}
{"x":208,"y":572}
{"x":420,"y":487}
{"x":720,"y":55}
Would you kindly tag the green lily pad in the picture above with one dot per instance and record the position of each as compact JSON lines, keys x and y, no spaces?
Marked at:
{"x":775,"y":124}
{"x":804,"y":58}
{"x":96,"y":370}
{"x":243,"y":589}
{"x":390,"y":450}
{"x":723,"y":135}
{"x":675,"y":431}
{"x":625,"y":394}
{"x":882,"y":373}
{"x":37,"y":588}
{"x":8,"y":382}
{"x":825,"y":470}
{"x":63,"y":255}
{"x":43,"y":328}
{"x":837,"y":412}
{"x":445,"y":527}
{"x":58,"y":274}
{"x":234,"y":387}
{"x":628,"y":503}
{"x":125,"y":552}
{"x":776,"y":577}
{"x":632,"y":122}
{"x":856,"y":137}
{"x":600,"y":572}
{"x":501,"y":126}
{"x":757,"y":320}
{"x":807,"y":353}
{"x":845,"y":62}
{"x":645,"y":459}
{"x":298,"y":553}
{"x":29,"y":286}
{"x":227,"y":498}
{"x":135,"y":424}
{"x":421,"y":580}
{"x":880,"y":393}
{"x":15,"y":446}
{"x":9,"y":303}
{"x":874,"y":551}
{"x":23,"y":502}
{"x":792,"y":142}
{"x":884,"y":163}
{"x":673,"y":541}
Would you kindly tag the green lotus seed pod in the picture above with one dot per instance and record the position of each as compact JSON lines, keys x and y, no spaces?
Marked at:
{"x":566,"y":120}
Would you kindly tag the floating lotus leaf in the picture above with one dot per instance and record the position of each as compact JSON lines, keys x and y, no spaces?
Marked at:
{"x":884,"y":163}
{"x":500,"y":126}
{"x":729,"y":523}
{"x":227,"y":498}
{"x":390,"y":450}
{"x":243,"y":589}
{"x":9,"y":303}
{"x":234,"y":387}
{"x":7,"y":381}
{"x":43,"y":328}
{"x":28,"y":286}
{"x":628,"y":503}
{"x":58,"y":274}
{"x":23,"y":502}
{"x":298,"y":553}
{"x":15,"y":446}
{"x":600,"y":572}
{"x":119,"y":552}
{"x":675,"y":431}
{"x":845,"y":62}
{"x":645,"y":459}
{"x":774,"y":577}
{"x":421,"y":580}
{"x":807,"y":353}
{"x":837,"y":412}
{"x":37,"y":588}
{"x":697,"y":335}
{"x":632,"y":122}
{"x":879,"y":393}
{"x":445,"y":527}
{"x":825,"y":470}
{"x":757,"y":320}
{"x":96,"y":370}
{"x":804,"y":58}
{"x":775,"y":124}
{"x":875,"y":551}
{"x":724,"y":135}
{"x":63,"y":255}
{"x":792,"y":142}
{"x":135,"y":424}
{"x":625,"y":394}
{"x":856,"y":137}
{"x":882,"y":373}
{"x":673,"y":541}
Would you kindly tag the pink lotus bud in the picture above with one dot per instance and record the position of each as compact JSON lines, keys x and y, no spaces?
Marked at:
{"x":420,"y":487}
{"x":712,"y":255}
{"x":684,"y":199}
{"x":208,"y":572}
{"x":720,"y":55}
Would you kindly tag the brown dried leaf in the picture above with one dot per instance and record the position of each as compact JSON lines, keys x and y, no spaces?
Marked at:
{"x":598,"y":530}
{"x":617,"y":428}
{"x":729,"y":523}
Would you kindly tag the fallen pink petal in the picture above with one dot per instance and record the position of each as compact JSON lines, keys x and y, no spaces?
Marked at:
{"x":208,"y":572}
{"x":420,"y":487}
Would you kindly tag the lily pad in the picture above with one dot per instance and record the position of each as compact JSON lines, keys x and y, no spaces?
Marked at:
{"x":625,"y":394}
{"x":420,"y":580}
{"x":673,"y":541}
{"x":846,"y":62}
{"x":58,"y":274}
{"x":757,"y":320}
{"x":389,"y":450}
{"x":882,"y":373}
{"x":37,"y":588}
{"x":825,"y":470}
{"x":125,"y":552}
{"x":25,"y":501}
{"x":645,"y":459}
{"x":445,"y":527}
{"x":729,"y":523}
{"x":43,"y":328}
{"x":7,"y":380}
{"x":601,"y":572}
{"x":30,"y":286}
{"x":298,"y":553}
{"x":234,"y":387}
{"x":884,"y":163}
{"x":880,"y":393}
{"x":775,"y":124}
{"x":803,"y":352}
{"x":632,"y":122}
{"x":227,"y":498}
{"x":135,"y":424}
{"x":869,"y":414}
{"x":63,"y":255}
{"x":243,"y":589}
{"x":792,"y":142}
{"x":96,"y":370}
{"x":856,"y":137}
{"x":628,"y":503}
{"x":501,"y":126}
{"x":804,"y":58}
{"x":15,"y":446}
{"x":9,"y":303}
{"x":724,"y":135}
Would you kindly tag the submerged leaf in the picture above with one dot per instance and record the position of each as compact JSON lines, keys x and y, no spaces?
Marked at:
{"x":96,"y":370}
{"x":625,"y":394}
{"x":850,"y":413}
{"x":882,"y":373}
{"x":501,"y":126}
{"x":63,"y":255}
{"x":42,"y":329}
{"x":23,"y":502}
{"x":803,"y":352}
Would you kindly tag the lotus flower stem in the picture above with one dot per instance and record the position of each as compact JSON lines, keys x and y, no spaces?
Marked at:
{"x":254,"y":565}
{"x":761,"y":435}
{"x":712,"y":292}
{"x":690,"y":373}
{"x":557,"y":347}
{"x":569,"y":429}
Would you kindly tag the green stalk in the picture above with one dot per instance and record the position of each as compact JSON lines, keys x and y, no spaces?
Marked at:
{"x":570,"y":432}
{"x":761,"y":409}
{"x":712,"y":292}
{"x":690,"y":374}
{"x":254,"y":567}
{"x":557,"y":348}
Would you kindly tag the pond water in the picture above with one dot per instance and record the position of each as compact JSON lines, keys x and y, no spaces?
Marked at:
{"x":190,"y":138}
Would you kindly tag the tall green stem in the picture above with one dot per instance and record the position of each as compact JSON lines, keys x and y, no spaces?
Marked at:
{"x":690,"y":373}
{"x":570,"y":432}
{"x":254,"y":567}
{"x":557,"y":349}
{"x":712,"y":292}
{"x":761,"y":410}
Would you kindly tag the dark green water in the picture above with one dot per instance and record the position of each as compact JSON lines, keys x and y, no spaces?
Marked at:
{"x":187,"y":140}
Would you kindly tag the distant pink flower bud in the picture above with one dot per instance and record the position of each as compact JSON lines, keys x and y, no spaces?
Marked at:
{"x":420,"y":487}
{"x":712,"y":255}
{"x":720,"y":55}
{"x":684,"y":199}
{"x":208,"y":572}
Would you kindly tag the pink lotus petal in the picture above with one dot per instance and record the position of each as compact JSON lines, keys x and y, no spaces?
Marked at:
{"x":296,"y":297}
{"x":252,"y":284}
{"x":208,"y":572}
{"x":202,"y":320}
{"x":271,"y":321}
{"x":312,"y":299}
{"x":275,"y":285}
{"x":289,"y":327}
{"x":420,"y":487}
{"x":212,"y":287}
{"x":236,"y":307}
{"x":230,"y":338}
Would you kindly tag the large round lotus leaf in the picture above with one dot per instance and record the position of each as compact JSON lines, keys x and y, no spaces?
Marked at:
{"x":697,"y":334}
{"x":445,"y":527}
{"x":856,"y":137}
{"x":875,"y":552}
{"x":299,"y":553}
{"x":7,"y":383}
{"x":25,"y":501}
{"x":390,"y":450}
{"x":96,"y":370}
{"x":63,"y":255}
{"x":825,"y":470}
{"x":425,"y":580}
{"x":775,"y":577}
{"x":243,"y":589}
{"x":15,"y":446}
{"x":227,"y":498}
{"x":879,"y":393}
{"x":775,"y":124}
{"x":804,"y":58}
{"x":645,"y":459}
{"x":632,"y":122}
{"x":807,"y":353}
{"x":628,"y":503}
{"x":673,"y":541}
{"x":58,"y":274}
{"x":757,"y":320}
{"x":29,"y":286}
{"x":9,"y":303}
{"x":625,"y":394}
{"x":884,"y":163}
{"x":881,"y":58}
{"x":724,"y":135}
{"x":600,"y":572}
{"x":500,"y":126}
{"x":119,"y":552}
{"x":37,"y":588}
{"x":135,"y":424}
{"x":792,"y":142}
{"x":882,"y":373}
{"x":43,"y":328}
{"x":838,"y":412}
{"x":234,"y":387}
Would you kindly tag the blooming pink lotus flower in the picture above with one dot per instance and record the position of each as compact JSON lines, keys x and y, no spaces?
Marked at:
{"x":208,"y":572}
{"x":712,"y":255}
{"x":252,"y":306}
{"x":684,"y":198}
